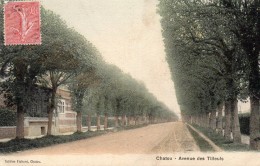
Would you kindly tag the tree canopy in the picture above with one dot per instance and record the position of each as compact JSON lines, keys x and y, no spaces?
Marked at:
{"x":66,"y":58}
{"x":213,"y":51}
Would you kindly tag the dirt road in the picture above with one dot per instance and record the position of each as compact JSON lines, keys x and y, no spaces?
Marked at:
{"x":158,"y":138}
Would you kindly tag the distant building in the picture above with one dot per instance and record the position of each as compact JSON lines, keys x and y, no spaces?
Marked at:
{"x":36,"y":121}
{"x":64,"y":115}
{"x":243,"y":107}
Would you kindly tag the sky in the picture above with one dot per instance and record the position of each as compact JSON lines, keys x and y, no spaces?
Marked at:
{"x":128,"y":35}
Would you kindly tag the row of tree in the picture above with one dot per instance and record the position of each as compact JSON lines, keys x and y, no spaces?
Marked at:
{"x":213,"y":51}
{"x":115,"y":94}
{"x":66,"y":58}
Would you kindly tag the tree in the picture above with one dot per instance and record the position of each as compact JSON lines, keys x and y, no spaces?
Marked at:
{"x":51,"y":64}
{"x":21,"y":65}
{"x":202,"y":49}
{"x":118,"y":94}
{"x":67,"y":56}
{"x":79,"y":86}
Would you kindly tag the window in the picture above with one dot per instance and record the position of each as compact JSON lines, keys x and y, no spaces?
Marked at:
{"x":61,"y":106}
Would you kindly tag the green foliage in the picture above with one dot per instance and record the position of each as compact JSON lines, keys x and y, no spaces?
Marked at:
{"x":65,"y":57}
{"x":196,"y":72}
{"x":206,"y":54}
{"x":120,"y":94}
{"x":79,"y":86}
{"x":7,"y":117}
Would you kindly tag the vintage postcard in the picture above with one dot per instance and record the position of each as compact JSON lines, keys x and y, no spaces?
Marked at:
{"x":129,"y":82}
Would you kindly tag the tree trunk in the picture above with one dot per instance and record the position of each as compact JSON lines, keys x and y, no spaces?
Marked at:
{"x":105,"y":122}
{"x":126,"y":120}
{"x":136,"y":120}
{"x":147,"y":119}
{"x":79,"y":121}
{"x":20,"y":122}
{"x":213,"y":120}
{"x":235,"y":122}
{"x":254,"y":89}
{"x":50,"y":117}
{"x":131,"y":120}
{"x":79,"y":104}
{"x":123,"y":120}
{"x":50,"y":111}
{"x":116,"y":121}
{"x":227,"y":130}
{"x":98,"y":122}
{"x":252,"y":51}
{"x":219,"y":119}
{"x":89,"y":122}
{"x":20,"y":69}
{"x":254,"y":124}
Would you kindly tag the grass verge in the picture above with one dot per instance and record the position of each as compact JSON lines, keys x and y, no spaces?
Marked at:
{"x":203,"y":144}
{"x":220,"y":141}
{"x":26,"y":144}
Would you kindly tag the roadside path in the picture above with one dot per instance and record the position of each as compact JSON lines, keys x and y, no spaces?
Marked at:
{"x":214,"y":146}
{"x":157,"y":138}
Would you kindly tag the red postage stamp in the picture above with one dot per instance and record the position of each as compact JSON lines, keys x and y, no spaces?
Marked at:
{"x":22,"y":23}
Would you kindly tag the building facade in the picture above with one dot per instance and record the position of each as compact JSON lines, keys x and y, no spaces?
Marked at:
{"x":65,"y":117}
{"x":36,"y":119}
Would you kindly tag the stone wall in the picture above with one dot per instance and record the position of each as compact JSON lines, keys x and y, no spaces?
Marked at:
{"x":37,"y":126}
{"x":7,"y":132}
{"x":66,"y":122}
{"x":10,"y":132}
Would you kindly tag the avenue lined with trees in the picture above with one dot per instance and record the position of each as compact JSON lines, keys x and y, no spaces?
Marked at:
{"x":66,"y":58}
{"x":212,"y":49}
